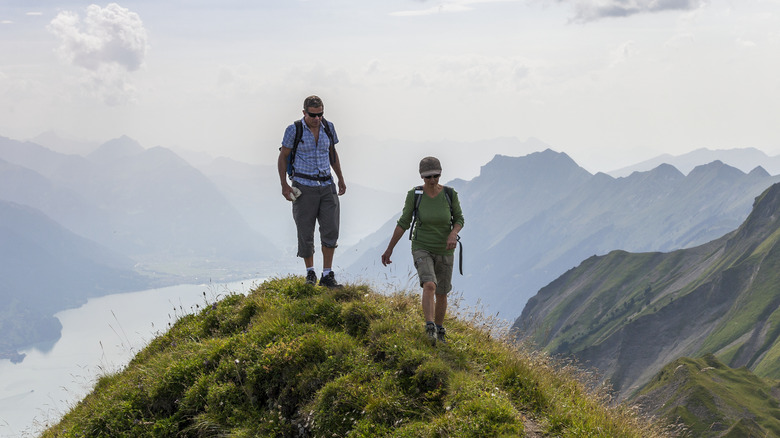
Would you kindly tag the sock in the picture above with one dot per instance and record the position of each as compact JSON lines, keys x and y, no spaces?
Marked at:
{"x":429,"y":322}
{"x":309,"y":269}
{"x":325,"y":272}
{"x":439,"y":326}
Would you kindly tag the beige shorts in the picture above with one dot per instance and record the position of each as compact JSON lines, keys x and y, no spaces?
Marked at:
{"x":435,"y":268}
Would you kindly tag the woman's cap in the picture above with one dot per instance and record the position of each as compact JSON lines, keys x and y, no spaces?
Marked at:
{"x":429,"y":166}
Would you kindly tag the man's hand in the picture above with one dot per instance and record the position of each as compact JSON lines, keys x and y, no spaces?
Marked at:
{"x":286,"y":191}
{"x":342,"y":187}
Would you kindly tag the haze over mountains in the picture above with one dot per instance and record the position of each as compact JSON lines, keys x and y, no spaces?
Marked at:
{"x":121,"y":218}
{"x":744,"y":159}
{"x":531,"y":218}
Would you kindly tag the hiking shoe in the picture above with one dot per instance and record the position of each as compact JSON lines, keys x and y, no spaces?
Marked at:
{"x":441,"y":333}
{"x":311,"y":278}
{"x":430,"y":330}
{"x":329,"y":281}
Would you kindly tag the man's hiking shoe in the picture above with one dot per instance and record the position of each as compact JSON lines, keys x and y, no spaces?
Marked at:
{"x":430,"y":330}
{"x":330,"y":281}
{"x":441,"y":333}
{"x":311,"y":278}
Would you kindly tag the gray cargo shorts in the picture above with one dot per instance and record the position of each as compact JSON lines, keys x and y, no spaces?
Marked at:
{"x":319,"y":204}
{"x":435,"y":268}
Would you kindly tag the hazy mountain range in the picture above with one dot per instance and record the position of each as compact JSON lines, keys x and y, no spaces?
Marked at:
{"x":531,"y":218}
{"x":46,"y":268}
{"x":121,"y":218}
{"x":744,"y":159}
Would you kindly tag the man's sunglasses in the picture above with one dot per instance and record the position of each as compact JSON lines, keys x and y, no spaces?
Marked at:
{"x":315,"y":115}
{"x":433,"y":176}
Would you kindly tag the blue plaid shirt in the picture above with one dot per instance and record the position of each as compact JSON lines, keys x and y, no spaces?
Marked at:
{"x":310,"y":158}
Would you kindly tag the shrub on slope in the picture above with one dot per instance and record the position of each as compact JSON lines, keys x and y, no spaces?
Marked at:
{"x":291,"y":360}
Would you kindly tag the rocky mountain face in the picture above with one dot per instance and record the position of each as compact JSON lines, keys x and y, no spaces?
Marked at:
{"x":529,"y":219}
{"x":630,"y":314}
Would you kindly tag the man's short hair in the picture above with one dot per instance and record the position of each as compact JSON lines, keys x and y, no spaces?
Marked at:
{"x":312,"y":102}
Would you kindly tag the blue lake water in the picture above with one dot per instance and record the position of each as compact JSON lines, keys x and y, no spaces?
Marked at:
{"x":99,"y":337}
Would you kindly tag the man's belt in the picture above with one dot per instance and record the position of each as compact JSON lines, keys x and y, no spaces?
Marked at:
{"x":312,"y":177}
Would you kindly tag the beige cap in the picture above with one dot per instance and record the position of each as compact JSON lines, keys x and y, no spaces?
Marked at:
{"x":430,"y":166}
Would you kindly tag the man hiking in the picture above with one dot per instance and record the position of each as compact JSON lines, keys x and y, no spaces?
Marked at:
{"x":307,"y":155}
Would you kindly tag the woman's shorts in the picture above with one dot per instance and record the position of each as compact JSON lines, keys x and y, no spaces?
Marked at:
{"x":435,"y":268}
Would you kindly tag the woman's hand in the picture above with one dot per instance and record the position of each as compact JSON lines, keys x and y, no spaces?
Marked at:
{"x":452,"y":241}
{"x":386,"y":257}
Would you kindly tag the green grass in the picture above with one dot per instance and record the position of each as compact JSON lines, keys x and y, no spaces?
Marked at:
{"x":290,"y":359}
{"x":709,"y":397}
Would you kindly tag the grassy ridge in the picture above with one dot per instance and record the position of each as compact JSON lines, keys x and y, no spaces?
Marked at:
{"x":290,"y":359}
{"x":713,"y":400}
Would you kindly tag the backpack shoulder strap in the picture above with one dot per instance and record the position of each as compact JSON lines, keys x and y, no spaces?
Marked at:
{"x":332,"y":148}
{"x":448,"y":193}
{"x":418,"y":192}
{"x":297,"y":139}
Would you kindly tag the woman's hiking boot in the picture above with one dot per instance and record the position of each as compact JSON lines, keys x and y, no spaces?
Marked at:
{"x":430,"y":330}
{"x":441,"y":333}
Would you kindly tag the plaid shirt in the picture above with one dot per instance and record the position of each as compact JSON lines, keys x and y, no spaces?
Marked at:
{"x":310,"y":158}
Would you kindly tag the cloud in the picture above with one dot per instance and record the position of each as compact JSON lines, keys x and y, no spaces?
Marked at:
{"x":592,"y":10}
{"x":446,"y":7}
{"x":109,"y":43}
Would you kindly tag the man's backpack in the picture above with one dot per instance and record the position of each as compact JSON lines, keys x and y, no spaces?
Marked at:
{"x":448,"y":193}
{"x":298,"y":137}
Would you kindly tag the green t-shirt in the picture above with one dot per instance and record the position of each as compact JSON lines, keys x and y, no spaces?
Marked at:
{"x":433,"y":221}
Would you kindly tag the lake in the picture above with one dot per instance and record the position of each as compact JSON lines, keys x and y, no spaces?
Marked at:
{"x":99,"y":337}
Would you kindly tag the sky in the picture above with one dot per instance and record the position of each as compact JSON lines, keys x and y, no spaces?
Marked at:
{"x":609,"y":82}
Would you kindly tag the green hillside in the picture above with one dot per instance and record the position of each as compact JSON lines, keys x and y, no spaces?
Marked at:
{"x":714,"y":400}
{"x":630,"y":314}
{"x":291,"y":359}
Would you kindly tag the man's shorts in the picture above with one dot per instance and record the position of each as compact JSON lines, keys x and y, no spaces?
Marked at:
{"x":319,"y":204}
{"x":435,"y":268}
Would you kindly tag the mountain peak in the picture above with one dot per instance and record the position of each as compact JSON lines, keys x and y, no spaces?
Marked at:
{"x":763,"y":220}
{"x":713,"y":169}
{"x":116,"y":149}
{"x":547,"y":159}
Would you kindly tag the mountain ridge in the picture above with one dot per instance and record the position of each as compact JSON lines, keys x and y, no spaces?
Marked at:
{"x":629,"y":314}
{"x":291,"y":359}
{"x":744,"y":159}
